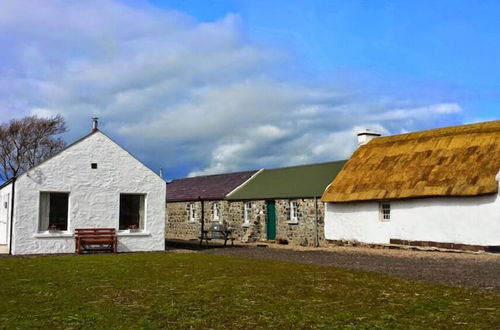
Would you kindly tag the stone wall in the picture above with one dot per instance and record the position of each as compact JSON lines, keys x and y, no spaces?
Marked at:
{"x":300,"y":232}
{"x":303,"y":230}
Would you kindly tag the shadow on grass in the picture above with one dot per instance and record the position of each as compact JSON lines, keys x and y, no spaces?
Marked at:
{"x":194,"y":245}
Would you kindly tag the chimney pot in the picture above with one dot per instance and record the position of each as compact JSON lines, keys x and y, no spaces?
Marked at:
{"x":366,"y":136}
{"x":95,"y":122}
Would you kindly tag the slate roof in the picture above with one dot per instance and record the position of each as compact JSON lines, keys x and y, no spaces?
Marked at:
{"x":207,"y":187}
{"x":451,"y":161}
{"x":304,"y":181}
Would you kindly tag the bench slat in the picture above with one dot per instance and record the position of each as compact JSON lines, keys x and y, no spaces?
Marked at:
{"x":95,"y":239}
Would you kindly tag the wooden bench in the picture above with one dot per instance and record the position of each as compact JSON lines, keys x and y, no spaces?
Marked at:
{"x":90,"y":240}
{"x":208,"y":235}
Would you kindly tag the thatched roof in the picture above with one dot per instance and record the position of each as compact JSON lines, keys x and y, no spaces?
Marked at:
{"x":451,"y":161}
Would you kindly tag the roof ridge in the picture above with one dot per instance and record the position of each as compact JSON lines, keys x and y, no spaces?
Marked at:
{"x":211,"y":175}
{"x":304,"y":165}
{"x":474,"y":128}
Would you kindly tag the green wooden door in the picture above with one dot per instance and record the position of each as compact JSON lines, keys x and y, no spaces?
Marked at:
{"x":271,"y":221}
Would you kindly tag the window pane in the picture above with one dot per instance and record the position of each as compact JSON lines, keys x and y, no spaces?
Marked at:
{"x":131,"y":211}
{"x":53,"y":212}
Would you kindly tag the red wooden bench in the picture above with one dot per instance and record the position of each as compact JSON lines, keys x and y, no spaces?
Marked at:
{"x":90,"y":240}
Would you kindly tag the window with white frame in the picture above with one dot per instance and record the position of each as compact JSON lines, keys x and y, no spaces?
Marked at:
{"x":216,"y":212}
{"x":132,"y":208}
{"x":53,"y":211}
{"x":385,"y":211}
{"x":247,"y":212}
{"x":294,"y":211}
{"x":191,"y":216}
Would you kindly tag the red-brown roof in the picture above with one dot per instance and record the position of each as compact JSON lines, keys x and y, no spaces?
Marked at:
{"x":207,"y":187}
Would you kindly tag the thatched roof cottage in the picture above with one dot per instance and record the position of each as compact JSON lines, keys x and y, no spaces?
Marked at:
{"x":437,"y":187}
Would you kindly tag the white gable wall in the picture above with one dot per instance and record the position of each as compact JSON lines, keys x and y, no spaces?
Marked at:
{"x":466,"y":220}
{"x":94,"y":196}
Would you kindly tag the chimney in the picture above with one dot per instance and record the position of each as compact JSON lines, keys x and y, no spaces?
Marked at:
{"x":366,"y":135}
{"x":95,"y":122}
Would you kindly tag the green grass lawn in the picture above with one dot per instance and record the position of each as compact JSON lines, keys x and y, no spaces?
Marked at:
{"x":201,"y":291}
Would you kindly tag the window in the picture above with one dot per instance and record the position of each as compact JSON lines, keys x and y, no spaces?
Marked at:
{"x":131,"y":211}
{"x":93,"y":165}
{"x":385,"y":211}
{"x":246,"y":212}
{"x":191,"y":216}
{"x":53,"y":212}
{"x":216,"y":212}
{"x":294,"y":211}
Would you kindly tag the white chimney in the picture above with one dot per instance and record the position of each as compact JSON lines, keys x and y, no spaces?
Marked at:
{"x":366,"y":135}
{"x":94,"y":124}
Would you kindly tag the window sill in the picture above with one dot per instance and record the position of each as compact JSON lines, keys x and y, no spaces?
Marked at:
{"x":191,"y":221}
{"x":294,"y":222}
{"x":245,"y":224}
{"x":133,"y":233}
{"x":62,"y":234}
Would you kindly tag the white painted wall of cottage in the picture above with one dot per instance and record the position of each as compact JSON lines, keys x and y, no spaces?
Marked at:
{"x":94,"y":196}
{"x":465,"y":220}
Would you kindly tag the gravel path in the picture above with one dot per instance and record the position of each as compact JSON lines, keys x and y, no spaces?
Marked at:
{"x":461,"y":269}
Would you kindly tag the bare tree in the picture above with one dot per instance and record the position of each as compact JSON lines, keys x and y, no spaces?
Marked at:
{"x":26,"y":142}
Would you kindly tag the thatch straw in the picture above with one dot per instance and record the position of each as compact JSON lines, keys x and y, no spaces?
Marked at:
{"x":451,"y":161}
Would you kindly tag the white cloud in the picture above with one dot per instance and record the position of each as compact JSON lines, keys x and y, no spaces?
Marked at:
{"x":192,"y":97}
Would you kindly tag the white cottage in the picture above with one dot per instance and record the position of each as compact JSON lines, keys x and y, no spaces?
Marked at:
{"x":433,"y":188}
{"x":93,"y":183}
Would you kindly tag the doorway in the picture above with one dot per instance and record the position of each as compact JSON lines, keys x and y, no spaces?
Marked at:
{"x":4,"y":217}
{"x":271,"y":220}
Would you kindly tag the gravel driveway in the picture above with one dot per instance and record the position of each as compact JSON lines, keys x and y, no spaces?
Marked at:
{"x":461,"y":269}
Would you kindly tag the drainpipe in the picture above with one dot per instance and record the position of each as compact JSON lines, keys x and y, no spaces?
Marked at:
{"x":12,"y":214}
{"x":202,"y":215}
{"x":316,"y":231}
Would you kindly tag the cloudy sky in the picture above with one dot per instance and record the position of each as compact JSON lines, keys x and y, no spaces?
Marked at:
{"x":202,"y":87}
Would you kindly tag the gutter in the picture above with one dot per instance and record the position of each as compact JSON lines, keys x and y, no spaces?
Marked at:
{"x":11,"y":228}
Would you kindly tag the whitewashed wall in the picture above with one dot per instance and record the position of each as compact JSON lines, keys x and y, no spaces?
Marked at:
{"x":94,"y":196}
{"x":465,"y":220}
{"x":5,"y":200}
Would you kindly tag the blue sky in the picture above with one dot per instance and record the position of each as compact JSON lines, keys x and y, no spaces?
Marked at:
{"x":202,"y":87}
{"x":452,"y":45}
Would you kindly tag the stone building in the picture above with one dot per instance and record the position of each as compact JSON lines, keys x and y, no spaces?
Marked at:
{"x":284,"y":203}
{"x":276,"y":204}
{"x":186,"y":198}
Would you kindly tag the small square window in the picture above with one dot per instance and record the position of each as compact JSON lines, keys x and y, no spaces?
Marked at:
{"x":385,"y":211}
{"x":93,"y":165}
